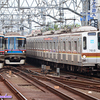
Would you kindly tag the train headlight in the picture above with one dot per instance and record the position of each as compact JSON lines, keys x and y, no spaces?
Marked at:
{"x":5,"y":51}
{"x":23,"y":51}
{"x":84,"y":57}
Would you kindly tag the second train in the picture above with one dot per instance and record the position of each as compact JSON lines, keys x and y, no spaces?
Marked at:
{"x":77,"y":51}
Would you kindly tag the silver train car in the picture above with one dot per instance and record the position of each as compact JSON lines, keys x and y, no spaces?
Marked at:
{"x":77,"y":51}
{"x":15,"y":48}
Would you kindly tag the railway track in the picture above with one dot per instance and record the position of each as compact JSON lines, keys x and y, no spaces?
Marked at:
{"x":63,"y":90}
{"x":27,"y":88}
{"x":17,"y":95}
{"x":73,"y":80}
{"x":79,"y":82}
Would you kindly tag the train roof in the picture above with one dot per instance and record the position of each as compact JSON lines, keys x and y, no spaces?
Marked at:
{"x":84,"y":29}
{"x":77,"y":30}
{"x":13,"y":34}
{"x":1,"y":34}
{"x":61,"y":31}
{"x":48,"y":33}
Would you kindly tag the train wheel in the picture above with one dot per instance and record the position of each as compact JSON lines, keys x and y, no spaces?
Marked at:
{"x":98,"y":74}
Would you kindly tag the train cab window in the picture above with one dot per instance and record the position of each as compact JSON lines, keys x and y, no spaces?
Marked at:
{"x":84,"y":43}
{"x":11,"y":43}
{"x":99,"y":40}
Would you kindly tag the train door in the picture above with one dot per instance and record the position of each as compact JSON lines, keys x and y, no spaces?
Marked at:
{"x":92,"y":47}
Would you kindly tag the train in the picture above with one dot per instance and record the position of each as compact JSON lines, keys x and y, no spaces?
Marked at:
{"x":76,"y":51}
{"x":15,"y":49}
{"x":1,"y":50}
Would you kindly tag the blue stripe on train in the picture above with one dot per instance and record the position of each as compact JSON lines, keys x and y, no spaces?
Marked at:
{"x":14,"y":52}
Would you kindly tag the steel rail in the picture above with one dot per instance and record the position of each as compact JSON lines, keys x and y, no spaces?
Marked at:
{"x":83,"y":85}
{"x":58,"y":93}
{"x":83,"y":95}
{"x":19,"y":95}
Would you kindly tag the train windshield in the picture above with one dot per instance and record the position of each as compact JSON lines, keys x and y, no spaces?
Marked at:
{"x":11,"y":43}
{"x":20,"y":43}
{"x":99,"y":40}
{"x":1,"y":42}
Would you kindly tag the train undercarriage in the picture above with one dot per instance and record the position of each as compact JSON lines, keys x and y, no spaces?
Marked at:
{"x":87,"y":70}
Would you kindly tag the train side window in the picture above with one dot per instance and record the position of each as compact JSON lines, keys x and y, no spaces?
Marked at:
{"x":54,"y":46}
{"x":60,"y":45}
{"x":69,"y":45}
{"x":50,"y":45}
{"x":44,"y":45}
{"x":38,"y":45}
{"x":84,"y":43}
{"x":75,"y":45}
{"x":99,"y":40}
{"x":47,"y":45}
{"x":34,"y":45}
{"x":64,"y":46}
{"x":78,"y":45}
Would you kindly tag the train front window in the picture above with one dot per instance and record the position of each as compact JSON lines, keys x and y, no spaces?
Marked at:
{"x":20,"y":43}
{"x":84,"y":43}
{"x":99,"y":40}
{"x":11,"y":43}
{"x":1,"y":43}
